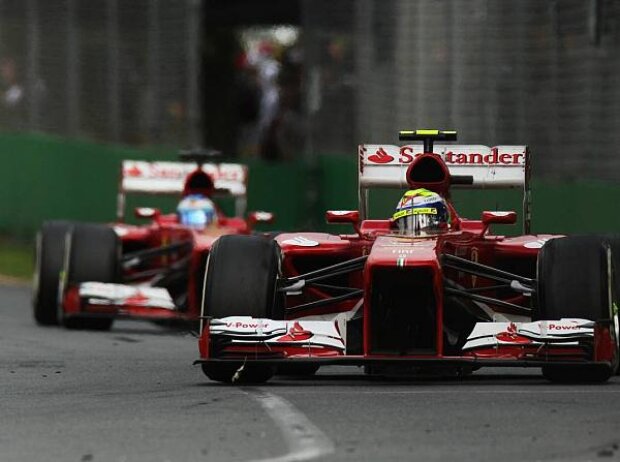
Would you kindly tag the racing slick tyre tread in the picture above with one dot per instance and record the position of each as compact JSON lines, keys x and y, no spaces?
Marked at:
{"x":573,"y":283}
{"x":93,"y":255}
{"x":240,"y":280}
{"x":614,"y":242}
{"x":50,"y":252}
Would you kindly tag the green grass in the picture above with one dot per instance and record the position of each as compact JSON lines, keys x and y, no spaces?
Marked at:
{"x":16,"y":259}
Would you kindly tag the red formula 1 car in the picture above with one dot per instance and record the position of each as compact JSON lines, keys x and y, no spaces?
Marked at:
{"x":87,"y":275}
{"x":395,"y":299}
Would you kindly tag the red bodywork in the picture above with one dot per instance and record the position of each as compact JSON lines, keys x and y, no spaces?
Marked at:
{"x":164,"y":231}
{"x":387,"y":251}
{"x":188,"y":248}
{"x":407,"y":276}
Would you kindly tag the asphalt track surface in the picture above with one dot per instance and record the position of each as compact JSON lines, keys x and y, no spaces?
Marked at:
{"x":132,"y":394}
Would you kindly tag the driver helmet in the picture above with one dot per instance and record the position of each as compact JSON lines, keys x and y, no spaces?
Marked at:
{"x":421,"y":212}
{"x":196,"y":211}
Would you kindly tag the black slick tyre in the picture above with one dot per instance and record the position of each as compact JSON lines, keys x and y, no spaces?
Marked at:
{"x":614,"y":242}
{"x":237,"y":372}
{"x":93,"y":254}
{"x":586,"y":373}
{"x":240,"y":280}
{"x":49,"y":260}
{"x":573,"y":282}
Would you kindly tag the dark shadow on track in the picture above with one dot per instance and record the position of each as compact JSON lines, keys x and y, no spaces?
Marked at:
{"x":153,"y":330}
{"x":365,"y":381}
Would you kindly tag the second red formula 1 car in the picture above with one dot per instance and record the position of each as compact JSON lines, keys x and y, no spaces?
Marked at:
{"x":89,"y":274}
{"x":424,"y":289}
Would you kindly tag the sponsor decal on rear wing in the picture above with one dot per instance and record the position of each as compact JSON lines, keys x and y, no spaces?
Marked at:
{"x":138,"y":176}
{"x":490,"y":167}
{"x":169,"y":177}
{"x":499,"y":167}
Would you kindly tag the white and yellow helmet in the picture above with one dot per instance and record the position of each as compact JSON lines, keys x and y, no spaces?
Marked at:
{"x":421,"y":212}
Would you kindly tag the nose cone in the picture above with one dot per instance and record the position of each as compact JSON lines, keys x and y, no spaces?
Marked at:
{"x":396,"y":251}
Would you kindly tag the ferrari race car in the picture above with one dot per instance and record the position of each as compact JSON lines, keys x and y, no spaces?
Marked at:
{"x":398,"y":301}
{"x":87,"y":275}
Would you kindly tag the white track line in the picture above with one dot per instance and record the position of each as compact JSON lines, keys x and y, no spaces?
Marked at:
{"x":304,"y":439}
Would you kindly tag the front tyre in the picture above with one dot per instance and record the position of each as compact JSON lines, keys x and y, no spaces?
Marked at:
{"x":586,"y":373}
{"x":238,"y":373}
{"x":92,"y":254}
{"x":614,"y":242}
{"x":574,"y":282}
{"x":49,"y":259}
{"x":240,"y":280}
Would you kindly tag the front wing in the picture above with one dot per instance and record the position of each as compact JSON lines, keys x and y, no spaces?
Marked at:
{"x":535,"y":344}
{"x":104,"y":300}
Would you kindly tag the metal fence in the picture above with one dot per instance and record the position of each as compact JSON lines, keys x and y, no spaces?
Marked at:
{"x":539,"y":72}
{"x":120,"y":71}
{"x":545,"y":73}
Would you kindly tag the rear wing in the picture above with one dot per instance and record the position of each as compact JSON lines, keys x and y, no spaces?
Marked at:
{"x":168,"y":178}
{"x":496,"y":167}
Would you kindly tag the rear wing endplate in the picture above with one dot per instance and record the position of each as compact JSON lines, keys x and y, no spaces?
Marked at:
{"x":168,"y":178}
{"x":498,"y":167}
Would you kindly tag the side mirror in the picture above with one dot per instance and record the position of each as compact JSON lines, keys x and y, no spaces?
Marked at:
{"x":498,"y":218}
{"x":260,"y":217}
{"x":147,"y":212}
{"x":344,"y":216}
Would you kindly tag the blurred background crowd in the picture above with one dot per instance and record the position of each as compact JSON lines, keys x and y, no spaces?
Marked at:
{"x":291,"y":87}
{"x":282,"y":80}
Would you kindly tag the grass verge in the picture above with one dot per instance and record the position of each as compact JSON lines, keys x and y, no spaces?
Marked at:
{"x":16,"y":259}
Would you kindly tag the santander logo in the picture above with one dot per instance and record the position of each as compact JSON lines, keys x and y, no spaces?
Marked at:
{"x":381,"y":157}
{"x":512,"y":338}
{"x":510,"y":335}
{"x":138,"y":299}
{"x":296,"y":334}
{"x":492,"y":156}
{"x":133,"y":171}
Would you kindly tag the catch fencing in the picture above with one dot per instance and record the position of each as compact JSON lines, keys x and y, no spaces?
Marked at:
{"x":542,"y":73}
{"x":110,"y":70}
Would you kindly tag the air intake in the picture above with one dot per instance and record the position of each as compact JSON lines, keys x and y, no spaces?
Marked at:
{"x":429,"y":171}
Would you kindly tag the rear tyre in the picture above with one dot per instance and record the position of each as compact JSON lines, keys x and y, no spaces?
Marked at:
{"x":93,"y":254}
{"x":573,"y":283}
{"x":240,"y":280}
{"x":49,"y":259}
